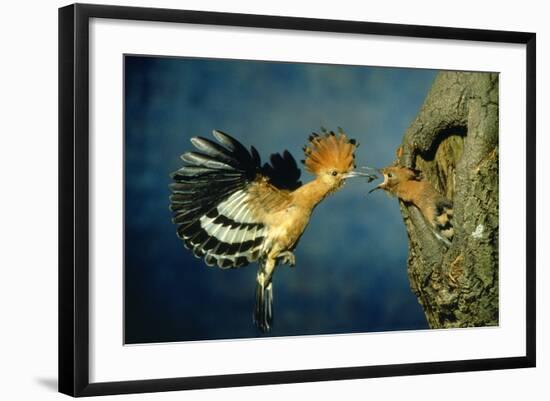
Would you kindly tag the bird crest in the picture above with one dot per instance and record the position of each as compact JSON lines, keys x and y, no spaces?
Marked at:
{"x":329,"y":151}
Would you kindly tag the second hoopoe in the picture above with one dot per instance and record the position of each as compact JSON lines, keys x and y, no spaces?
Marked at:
{"x":232,"y":211}
{"x":409,"y":186}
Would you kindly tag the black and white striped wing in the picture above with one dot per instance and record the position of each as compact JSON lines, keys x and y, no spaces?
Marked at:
{"x":235,"y":238}
{"x":210,"y":202}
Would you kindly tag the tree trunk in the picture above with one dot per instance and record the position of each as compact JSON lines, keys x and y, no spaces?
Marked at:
{"x":454,"y":142}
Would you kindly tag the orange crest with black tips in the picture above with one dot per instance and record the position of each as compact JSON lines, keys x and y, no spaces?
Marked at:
{"x":330,"y":151}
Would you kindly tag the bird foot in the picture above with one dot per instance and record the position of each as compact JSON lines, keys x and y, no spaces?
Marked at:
{"x":288,"y":258}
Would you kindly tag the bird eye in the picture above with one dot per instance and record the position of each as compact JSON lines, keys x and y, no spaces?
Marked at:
{"x":334,"y":173}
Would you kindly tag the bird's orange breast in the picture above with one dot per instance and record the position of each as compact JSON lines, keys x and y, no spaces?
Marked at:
{"x":286,"y":226}
{"x":422,"y":194}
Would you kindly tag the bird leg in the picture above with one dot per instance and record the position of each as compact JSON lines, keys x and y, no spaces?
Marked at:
{"x":287,"y":258}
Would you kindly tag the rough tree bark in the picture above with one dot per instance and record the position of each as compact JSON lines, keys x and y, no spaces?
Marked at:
{"x":454,"y":142}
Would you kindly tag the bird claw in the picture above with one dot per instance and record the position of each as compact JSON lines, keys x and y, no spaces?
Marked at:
{"x":288,"y":258}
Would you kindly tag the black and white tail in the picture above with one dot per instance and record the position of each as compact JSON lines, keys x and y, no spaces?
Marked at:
{"x":263,"y":309}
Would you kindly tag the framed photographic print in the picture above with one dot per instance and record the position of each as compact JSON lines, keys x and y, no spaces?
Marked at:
{"x":249,"y":199}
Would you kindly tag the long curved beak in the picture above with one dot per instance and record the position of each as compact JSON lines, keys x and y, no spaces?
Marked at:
{"x":381,"y":185}
{"x":375,"y":188}
{"x":356,"y":173}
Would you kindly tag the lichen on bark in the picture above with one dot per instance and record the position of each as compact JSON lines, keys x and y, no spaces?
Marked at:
{"x":454,"y":142}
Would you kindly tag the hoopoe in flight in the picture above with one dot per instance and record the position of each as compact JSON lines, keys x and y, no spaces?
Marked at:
{"x":409,"y":186}
{"x":232,"y":211}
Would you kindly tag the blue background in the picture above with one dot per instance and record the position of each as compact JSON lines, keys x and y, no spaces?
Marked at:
{"x":351,"y":272}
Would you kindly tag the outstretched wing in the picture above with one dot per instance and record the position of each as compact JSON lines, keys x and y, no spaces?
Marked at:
{"x":214,"y":201}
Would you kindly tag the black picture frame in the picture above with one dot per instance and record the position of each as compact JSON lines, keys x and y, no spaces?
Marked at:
{"x":74,"y":198}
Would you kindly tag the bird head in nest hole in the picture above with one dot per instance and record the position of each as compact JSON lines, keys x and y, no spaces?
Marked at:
{"x":394,"y":176}
{"x":331,"y":157}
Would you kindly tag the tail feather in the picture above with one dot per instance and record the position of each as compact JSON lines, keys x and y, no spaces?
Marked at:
{"x":263,"y":311}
